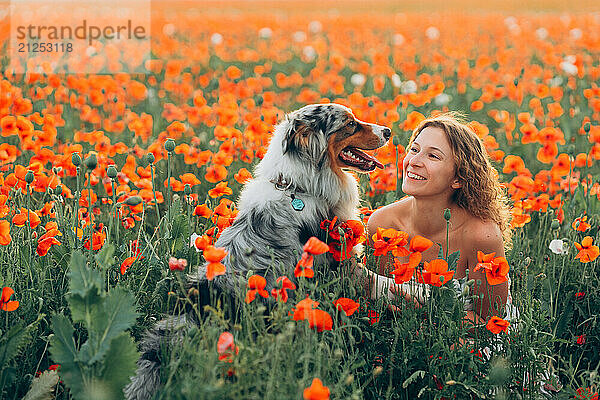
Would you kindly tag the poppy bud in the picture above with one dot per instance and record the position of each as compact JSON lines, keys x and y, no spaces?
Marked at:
{"x":447,"y":214}
{"x":91,"y":162}
{"x":150,"y":158}
{"x":58,"y":190}
{"x":133,"y":201}
{"x":371,"y":103}
{"x":571,"y":149}
{"x":555,"y":224}
{"x":587,"y":127}
{"x":259,"y":102}
{"x":170,"y":145}
{"x":29,"y":176}
{"x":76,"y":159}
{"x":516,"y":82}
{"x":396,"y":140}
{"x":187,"y":189}
{"x":111,"y":171}
{"x":56,"y":170}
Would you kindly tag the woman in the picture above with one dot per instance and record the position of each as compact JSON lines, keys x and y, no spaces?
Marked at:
{"x":446,"y":166}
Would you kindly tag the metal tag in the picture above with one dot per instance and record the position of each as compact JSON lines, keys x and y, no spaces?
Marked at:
{"x":297,"y":204}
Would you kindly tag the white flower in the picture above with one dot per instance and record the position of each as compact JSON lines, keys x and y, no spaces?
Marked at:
{"x":508,"y":21}
{"x":216,"y":38}
{"x":398,"y":39}
{"x":358,"y":79}
{"x":556,"y":81}
{"x":396,"y":81}
{"x":299,"y":36}
{"x":441,"y":99}
{"x":315,"y":27}
{"x":193,"y":241}
{"x":575,"y":33}
{"x":570,"y":69}
{"x":309,"y":53}
{"x":541,"y":33}
{"x":168,"y":29}
{"x":432,"y":33}
{"x":558,"y":247}
{"x":408,"y":87}
{"x":265,"y":33}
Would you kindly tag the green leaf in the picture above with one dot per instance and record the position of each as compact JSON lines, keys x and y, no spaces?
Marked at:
{"x":440,"y":251}
{"x":453,"y":260}
{"x":42,"y":386}
{"x":83,"y":279}
{"x":420,"y":374}
{"x":63,"y":351}
{"x":115,"y":316}
{"x":119,"y":364}
{"x":14,"y":340}
{"x":181,"y":227}
{"x":105,"y":257}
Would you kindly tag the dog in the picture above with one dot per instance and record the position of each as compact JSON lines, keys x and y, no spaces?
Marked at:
{"x":302,"y":180}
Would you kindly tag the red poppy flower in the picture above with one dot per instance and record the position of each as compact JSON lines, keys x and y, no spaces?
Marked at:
{"x":314,"y":246}
{"x":220,"y":190}
{"x":304,"y":267}
{"x":299,"y":312}
{"x":226,"y":347}
{"x":386,"y":240}
{"x":5,"y":237}
{"x":282,"y":291}
{"x":580,"y":224}
{"x":316,"y":391}
{"x":214,"y":255}
{"x":5,"y":304}
{"x":176,"y":264}
{"x":349,"y":306}
{"x":497,"y":325}
{"x":587,"y":250}
{"x":256,"y":285}
{"x":436,"y":272}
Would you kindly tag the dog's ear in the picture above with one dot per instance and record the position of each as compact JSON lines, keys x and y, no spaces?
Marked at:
{"x":297,"y":134}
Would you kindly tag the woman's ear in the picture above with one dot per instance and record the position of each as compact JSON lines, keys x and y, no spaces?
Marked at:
{"x":456,"y":184}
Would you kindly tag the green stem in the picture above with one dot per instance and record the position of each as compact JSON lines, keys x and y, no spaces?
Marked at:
{"x":154,"y":193}
{"x":90,"y":215}
{"x":169,"y":200}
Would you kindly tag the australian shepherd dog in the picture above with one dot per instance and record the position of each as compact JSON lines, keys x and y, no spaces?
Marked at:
{"x":300,"y":182}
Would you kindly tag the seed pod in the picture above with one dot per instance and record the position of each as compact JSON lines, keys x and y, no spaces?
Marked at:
{"x":555,"y":224}
{"x":447,"y":214}
{"x":133,"y":201}
{"x":587,"y":127}
{"x":396,"y":140}
{"x":29,"y":176}
{"x":111,"y":171}
{"x":150,"y":158}
{"x":187,"y":189}
{"x":170,"y":145}
{"x":76,"y":159}
{"x":91,"y":162}
{"x":58,"y":190}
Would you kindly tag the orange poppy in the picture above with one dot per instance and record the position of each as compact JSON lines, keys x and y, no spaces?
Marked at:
{"x":220,"y":190}
{"x":580,"y":224}
{"x":242,"y":176}
{"x":419,"y":244}
{"x":314,"y":246}
{"x":256,"y":285}
{"x":497,"y":325}
{"x":319,"y":320}
{"x":5,"y":304}
{"x":436,"y":272}
{"x":214,"y":256}
{"x":202,"y":210}
{"x":299,"y":312}
{"x":348,"y":306}
{"x":282,"y":291}
{"x":21,"y":218}
{"x":386,"y":240}
{"x":587,"y":250}
{"x":304,"y":267}
{"x":226,"y":347}
{"x":5,"y":237}
{"x":316,"y":391}
{"x":403,"y":272}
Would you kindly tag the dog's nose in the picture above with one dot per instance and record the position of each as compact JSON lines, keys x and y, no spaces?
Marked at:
{"x":387,"y":132}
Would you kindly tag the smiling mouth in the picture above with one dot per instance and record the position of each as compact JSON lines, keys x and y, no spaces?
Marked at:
{"x":415,"y":176}
{"x":353,"y":157}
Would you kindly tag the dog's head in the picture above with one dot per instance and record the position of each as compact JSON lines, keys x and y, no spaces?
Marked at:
{"x":330,"y":133}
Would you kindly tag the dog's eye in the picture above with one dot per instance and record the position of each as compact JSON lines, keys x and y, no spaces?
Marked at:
{"x":352,"y":124}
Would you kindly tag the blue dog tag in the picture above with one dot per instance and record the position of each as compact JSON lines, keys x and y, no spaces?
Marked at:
{"x":297,"y":204}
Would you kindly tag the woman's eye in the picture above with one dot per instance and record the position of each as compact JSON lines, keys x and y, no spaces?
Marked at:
{"x":434,"y":156}
{"x":414,"y":150}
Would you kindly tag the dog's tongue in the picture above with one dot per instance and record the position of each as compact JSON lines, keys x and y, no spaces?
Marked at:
{"x":368,"y":157}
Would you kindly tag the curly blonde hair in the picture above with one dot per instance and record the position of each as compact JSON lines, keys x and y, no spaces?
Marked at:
{"x":480,"y":193}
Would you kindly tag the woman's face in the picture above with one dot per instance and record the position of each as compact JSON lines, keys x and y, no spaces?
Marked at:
{"x":429,"y":168}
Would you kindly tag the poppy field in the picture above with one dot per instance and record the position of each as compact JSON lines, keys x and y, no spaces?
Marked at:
{"x":114,"y":186}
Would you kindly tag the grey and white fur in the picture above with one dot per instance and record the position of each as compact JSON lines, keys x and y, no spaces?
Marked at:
{"x":307,"y":159}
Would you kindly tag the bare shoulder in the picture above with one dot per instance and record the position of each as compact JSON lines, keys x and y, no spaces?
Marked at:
{"x":389,"y":216}
{"x":484,"y":236}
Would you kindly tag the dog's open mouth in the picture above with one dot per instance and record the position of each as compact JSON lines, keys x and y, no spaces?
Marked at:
{"x":353,"y":157}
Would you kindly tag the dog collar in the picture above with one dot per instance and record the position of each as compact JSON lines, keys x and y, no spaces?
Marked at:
{"x":284,"y":185}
